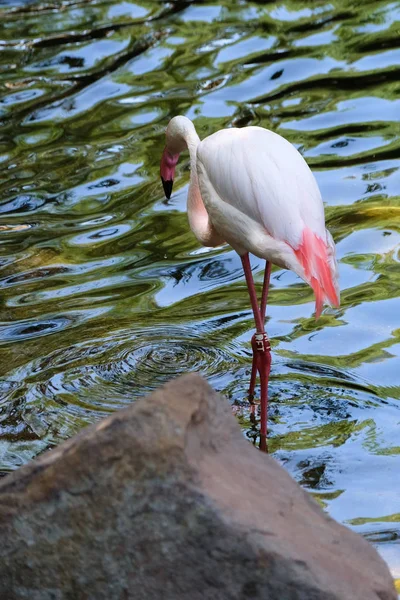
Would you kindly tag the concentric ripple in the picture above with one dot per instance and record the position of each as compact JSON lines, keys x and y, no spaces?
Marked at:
{"x":105,"y":294}
{"x":61,"y":392}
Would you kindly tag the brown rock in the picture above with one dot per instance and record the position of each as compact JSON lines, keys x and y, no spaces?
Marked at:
{"x":166,"y":499}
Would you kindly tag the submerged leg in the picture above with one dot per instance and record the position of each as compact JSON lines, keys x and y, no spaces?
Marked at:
{"x":261,"y":346}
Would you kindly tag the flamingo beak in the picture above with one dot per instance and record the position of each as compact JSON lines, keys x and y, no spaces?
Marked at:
{"x":167,"y":185}
{"x":167,"y":171}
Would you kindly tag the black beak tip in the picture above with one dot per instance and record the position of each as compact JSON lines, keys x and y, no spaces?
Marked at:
{"x":167,"y":185}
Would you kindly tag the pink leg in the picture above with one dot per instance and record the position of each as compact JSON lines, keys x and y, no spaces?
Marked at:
{"x":252,"y":293}
{"x":261,"y":347}
{"x":253,"y":377}
{"x":264,"y":368}
{"x":264,"y":297}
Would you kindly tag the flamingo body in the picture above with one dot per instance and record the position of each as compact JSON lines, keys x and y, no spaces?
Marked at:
{"x":262,"y":198}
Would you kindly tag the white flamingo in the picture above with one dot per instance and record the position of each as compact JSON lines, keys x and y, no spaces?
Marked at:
{"x":251,"y":188}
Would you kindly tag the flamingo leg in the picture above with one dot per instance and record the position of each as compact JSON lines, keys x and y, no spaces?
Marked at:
{"x":264,"y":297}
{"x":260,"y":345}
{"x":253,"y":377}
{"x":263,"y":308}
{"x":252,"y":293}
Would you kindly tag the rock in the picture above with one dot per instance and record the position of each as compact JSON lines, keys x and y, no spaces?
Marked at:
{"x":166,"y":499}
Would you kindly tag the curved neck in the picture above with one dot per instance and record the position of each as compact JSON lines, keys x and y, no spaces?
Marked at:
{"x":194,"y":195}
{"x":181,"y":135}
{"x":199,"y":219}
{"x":192,"y":140}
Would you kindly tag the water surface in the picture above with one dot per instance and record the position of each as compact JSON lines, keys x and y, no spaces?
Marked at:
{"x":105,"y":292}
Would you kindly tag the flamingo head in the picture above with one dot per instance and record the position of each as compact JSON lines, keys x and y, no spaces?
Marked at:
{"x":167,"y":170}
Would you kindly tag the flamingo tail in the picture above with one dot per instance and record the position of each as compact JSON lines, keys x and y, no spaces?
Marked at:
{"x":314,"y":256}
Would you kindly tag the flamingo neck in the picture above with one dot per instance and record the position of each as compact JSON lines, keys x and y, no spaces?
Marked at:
{"x":199,"y":219}
{"x":181,"y":134}
{"x":197,"y":213}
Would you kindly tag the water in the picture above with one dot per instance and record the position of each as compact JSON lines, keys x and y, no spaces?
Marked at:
{"x":105,"y":292}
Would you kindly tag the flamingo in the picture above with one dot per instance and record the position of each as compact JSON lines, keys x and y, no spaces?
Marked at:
{"x":252,"y":189}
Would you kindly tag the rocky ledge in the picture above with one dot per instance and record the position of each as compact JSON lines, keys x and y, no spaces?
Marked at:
{"x":166,"y":499}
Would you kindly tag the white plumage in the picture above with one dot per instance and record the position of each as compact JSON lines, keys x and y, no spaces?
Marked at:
{"x":263,"y":176}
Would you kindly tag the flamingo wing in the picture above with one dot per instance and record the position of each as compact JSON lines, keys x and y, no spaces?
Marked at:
{"x":261,"y":175}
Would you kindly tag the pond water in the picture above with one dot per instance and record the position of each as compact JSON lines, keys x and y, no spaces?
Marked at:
{"x":105,"y":293}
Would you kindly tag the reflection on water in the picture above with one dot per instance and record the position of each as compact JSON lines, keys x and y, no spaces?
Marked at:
{"x":105,"y":292}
